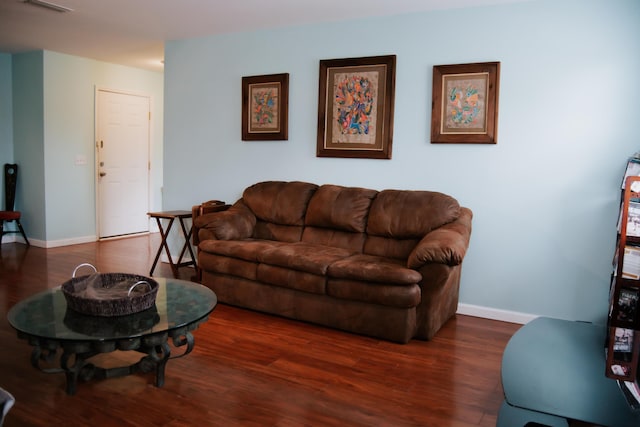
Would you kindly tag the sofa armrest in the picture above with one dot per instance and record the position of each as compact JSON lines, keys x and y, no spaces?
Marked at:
{"x":236,"y":222}
{"x":445,"y":245}
{"x":204,"y":208}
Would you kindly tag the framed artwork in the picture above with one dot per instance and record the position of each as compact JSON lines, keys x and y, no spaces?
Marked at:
{"x":265,"y":107}
{"x":465,"y":103}
{"x":355,"y":107}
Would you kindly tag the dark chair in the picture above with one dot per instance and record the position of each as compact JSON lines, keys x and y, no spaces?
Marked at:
{"x":6,"y":402}
{"x":10,"y":180}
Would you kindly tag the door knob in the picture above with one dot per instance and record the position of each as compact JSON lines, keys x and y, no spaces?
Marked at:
{"x":103,"y":173}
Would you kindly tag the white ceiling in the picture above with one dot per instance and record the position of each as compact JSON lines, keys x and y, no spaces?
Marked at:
{"x":132,"y":32}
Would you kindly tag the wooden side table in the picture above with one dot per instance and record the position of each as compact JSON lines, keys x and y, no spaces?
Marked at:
{"x":171,"y":216}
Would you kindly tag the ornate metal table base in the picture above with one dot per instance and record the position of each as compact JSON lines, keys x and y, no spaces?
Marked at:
{"x":74,"y":360}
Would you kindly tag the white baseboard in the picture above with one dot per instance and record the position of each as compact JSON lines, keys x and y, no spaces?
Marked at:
{"x":495,"y":314}
{"x":49,"y":243}
{"x":67,"y":242}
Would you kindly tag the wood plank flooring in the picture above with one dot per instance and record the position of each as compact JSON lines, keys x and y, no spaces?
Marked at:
{"x":252,"y":369}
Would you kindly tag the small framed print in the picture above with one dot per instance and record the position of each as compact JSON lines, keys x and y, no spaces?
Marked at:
{"x":265,"y":107}
{"x":464,"y":105}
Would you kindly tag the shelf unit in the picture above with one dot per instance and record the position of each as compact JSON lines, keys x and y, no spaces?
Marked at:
{"x":623,"y":329}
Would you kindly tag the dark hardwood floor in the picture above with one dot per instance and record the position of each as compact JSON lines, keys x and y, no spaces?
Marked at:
{"x":251,"y":369}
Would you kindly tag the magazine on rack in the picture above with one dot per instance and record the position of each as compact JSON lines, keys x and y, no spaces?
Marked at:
{"x":628,"y":305}
{"x":633,"y":169}
{"x":631,"y":392}
{"x":631,"y":263}
{"x":633,"y":219}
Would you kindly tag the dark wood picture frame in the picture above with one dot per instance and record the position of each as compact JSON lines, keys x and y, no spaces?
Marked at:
{"x":265,"y":107}
{"x":464,"y":107}
{"x":355,"y":107}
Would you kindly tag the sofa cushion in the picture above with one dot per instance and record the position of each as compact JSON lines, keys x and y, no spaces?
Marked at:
{"x":221,"y":264}
{"x":446,"y":245}
{"x":410,"y":214}
{"x":353,"y":242}
{"x":388,"y":247}
{"x":306,"y":257}
{"x":371,"y":268}
{"x":248,"y":250}
{"x":340,"y":208}
{"x":279,"y":202}
{"x":284,"y":233}
{"x":293,"y":279}
{"x":406,"y":296}
{"x":237,"y":222}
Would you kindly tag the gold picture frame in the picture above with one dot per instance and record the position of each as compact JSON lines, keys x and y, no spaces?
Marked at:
{"x":355,"y":107}
{"x":265,"y":107}
{"x":464,"y":109}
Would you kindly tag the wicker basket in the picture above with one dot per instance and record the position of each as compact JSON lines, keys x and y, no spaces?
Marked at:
{"x":109,"y":294}
{"x":94,"y":326}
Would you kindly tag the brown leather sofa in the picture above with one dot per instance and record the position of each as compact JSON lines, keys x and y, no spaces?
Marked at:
{"x":380,"y":263}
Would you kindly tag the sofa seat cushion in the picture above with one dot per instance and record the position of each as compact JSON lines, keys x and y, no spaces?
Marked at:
{"x":293,"y":279}
{"x":373,"y":268}
{"x":228,"y":266}
{"x":353,"y":242}
{"x":248,"y":250}
{"x":391,"y":295}
{"x":306,"y":257}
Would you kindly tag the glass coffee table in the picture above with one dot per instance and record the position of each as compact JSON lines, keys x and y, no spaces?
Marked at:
{"x":48,"y":325}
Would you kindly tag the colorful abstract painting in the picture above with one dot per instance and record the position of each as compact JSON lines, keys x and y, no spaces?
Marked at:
{"x":465,"y":108}
{"x":264,"y":107}
{"x":355,"y":107}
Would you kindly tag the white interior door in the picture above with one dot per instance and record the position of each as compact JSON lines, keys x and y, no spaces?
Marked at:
{"x":123,"y":163}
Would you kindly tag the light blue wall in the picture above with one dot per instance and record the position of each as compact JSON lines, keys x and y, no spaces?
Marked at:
{"x":54,"y":121}
{"x":28,"y":140}
{"x":545,"y":198}
{"x":70,"y":83}
{"x":6,"y":121}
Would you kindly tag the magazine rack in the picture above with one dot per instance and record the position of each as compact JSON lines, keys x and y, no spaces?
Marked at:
{"x":623,"y":328}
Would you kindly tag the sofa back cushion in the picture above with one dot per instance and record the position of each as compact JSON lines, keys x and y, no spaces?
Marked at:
{"x":389,"y":247}
{"x":399,"y":219}
{"x":353,"y":242}
{"x":340,"y":208}
{"x":337,"y":216}
{"x":279,"y":207}
{"x":281,"y":233}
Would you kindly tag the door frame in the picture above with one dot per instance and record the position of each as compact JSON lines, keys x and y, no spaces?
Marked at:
{"x":96,"y":157}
